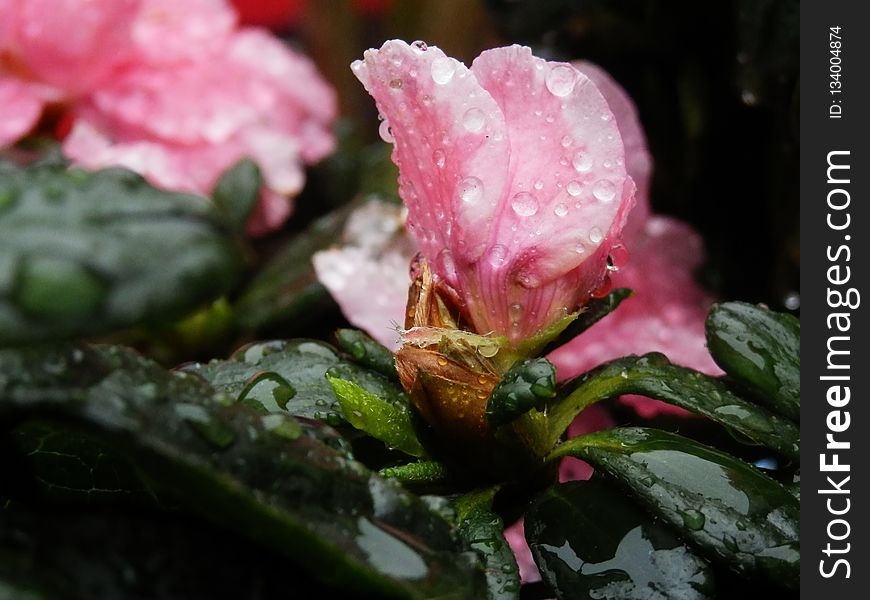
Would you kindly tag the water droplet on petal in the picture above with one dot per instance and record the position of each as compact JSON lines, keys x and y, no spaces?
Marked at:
{"x":561,"y":80}
{"x":574,"y":188}
{"x":606,"y":116}
{"x":604,"y":190}
{"x":420,"y":46}
{"x":595,"y":235}
{"x":396,"y":84}
{"x":524,"y":204}
{"x":561,"y":210}
{"x":385,"y":132}
{"x":439,"y":158}
{"x":470,"y":190}
{"x":442,"y":70}
{"x":487,"y":350}
{"x":448,"y":266}
{"x":582,"y":161}
{"x":579,"y":248}
{"x":619,"y":256}
{"x":497,"y":255}
{"x":567,"y":141}
{"x":539,"y":185}
{"x":356,"y":66}
{"x":473,"y":120}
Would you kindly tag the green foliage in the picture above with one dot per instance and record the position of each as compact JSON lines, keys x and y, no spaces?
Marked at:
{"x":87,"y":253}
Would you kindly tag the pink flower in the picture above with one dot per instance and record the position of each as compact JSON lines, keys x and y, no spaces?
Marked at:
{"x":513,"y":172}
{"x":173,"y":90}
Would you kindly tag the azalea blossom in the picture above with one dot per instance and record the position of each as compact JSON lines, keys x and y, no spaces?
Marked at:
{"x":513,"y":172}
{"x":176,"y":91}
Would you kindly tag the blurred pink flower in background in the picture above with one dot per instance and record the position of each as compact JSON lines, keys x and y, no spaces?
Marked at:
{"x":176,"y":91}
{"x":513,"y":174}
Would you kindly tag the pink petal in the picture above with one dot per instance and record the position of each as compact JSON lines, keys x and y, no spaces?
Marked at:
{"x":666,"y":314}
{"x":20,"y":108}
{"x":638,"y":161}
{"x":167,"y":31}
{"x":289,"y":89}
{"x":368,"y":275}
{"x":69,"y":44}
{"x":512,"y":172}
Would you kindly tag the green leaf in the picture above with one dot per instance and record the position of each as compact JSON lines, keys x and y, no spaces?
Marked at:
{"x":732,"y":511}
{"x":237,"y":192}
{"x":286,"y":292}
{"x":367,"y":352}
{"x":483,"y":530}
{"x":654,"y":376}
{"x":590,"y":541}
{"x":88,"y":253}
{"x":266,"y":476}
{"x":526,"y":385}
{"x":760,"y":348}
{"x":422,"y":471}
{"x":388,"y":422}
{"x":595,"y":310}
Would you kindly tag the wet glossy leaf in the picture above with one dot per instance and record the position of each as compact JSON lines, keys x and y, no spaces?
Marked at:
{"x":732,"y":511}
{"x":300,"y":366}
{"x":86,"y":253}
{"x":526,"y":385}
{"x":483,"y":530}
{"x":422,"y":471}
{"x":265,"y":475}
{"x":286,"y":292}
{"x":591,"y":541}
{"x":237,"y":191}
{"x":367,"y":352}
{"x":760,"y":348}
{"x":654,"y":376}
{"x":388,"y":422}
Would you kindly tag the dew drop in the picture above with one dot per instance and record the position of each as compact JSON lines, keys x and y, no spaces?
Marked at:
{"x":604,"y":190}
{"x":470,"y":190}
{"x":443,"y":69}
{"x":524,"y":204}
{"x":487,"y":350}
{"x":561,"y":80}
{"x":539,"y":185}
{"x":496,"y":255}
{"x":619,"y":256}
{"x":606,"y":116}
{"x":574,"y":188}
{"x":473,"y":120}
{"x":356,"y":66}
{"x":448,"y":266}
{"x":595,"y":235}
{"x":516,"y":311}
{"x":579,"y":248}
{"x":439,"y":158}
{"x":420,"y":46}
{"x":582,"y":161}
{"x":561,"y":210}
{"x":396,"y":84}
{"x":385,"y":132}
{"x":567,"y":141}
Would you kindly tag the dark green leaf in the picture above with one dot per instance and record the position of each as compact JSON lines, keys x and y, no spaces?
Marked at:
{"x":483,"y":530}
{"x":654,"y":376}
{"x":267,"y":476}
{"x":367,"y":352}
{"x":526,"y":385}
{"x":237,"y":191}
{"x":732,"y":511}
{"x":423,"y":471}
{"x":87,"y":253}
{"x":760,"y":348}
{"x":388,"y":422}
{"x":595,"y":310}
{"x":286,"y":292}
{"x":300,"y":366}
{"x":589,"y":540}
